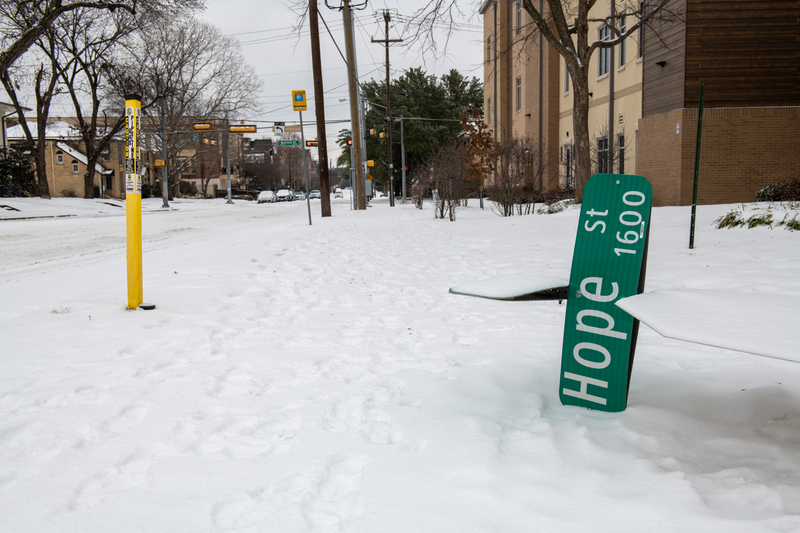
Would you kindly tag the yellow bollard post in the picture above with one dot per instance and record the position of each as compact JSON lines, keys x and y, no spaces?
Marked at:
{"x":133,"y":199}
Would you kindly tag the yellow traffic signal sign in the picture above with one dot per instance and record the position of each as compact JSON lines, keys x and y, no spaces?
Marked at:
{"x":299,"y":101}
{"x":201,"y":126}
{"x":243,"y":128}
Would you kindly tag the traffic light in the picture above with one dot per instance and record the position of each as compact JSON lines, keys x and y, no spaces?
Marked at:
{"x":309,"y":144}
{"x":223,"y":170}
{"x":406,"y":168}
{"x":349,"y":142}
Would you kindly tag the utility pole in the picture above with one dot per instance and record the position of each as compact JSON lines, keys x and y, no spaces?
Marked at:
{"x":319,"y":104}
{"x":387,"y":18}
{"x":164,"y":177}
{"x":354,"y":118}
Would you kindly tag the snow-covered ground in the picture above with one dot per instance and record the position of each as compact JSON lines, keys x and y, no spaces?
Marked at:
{"x":321,"y":378}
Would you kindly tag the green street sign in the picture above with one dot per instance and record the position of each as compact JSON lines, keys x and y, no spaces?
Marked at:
{"x":609,"y":263}
{"x":288,"y":143}
{"x":195,"y":137}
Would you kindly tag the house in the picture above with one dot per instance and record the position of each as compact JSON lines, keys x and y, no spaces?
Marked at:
{"x":747,"y":56}
{"x":67,"y":162}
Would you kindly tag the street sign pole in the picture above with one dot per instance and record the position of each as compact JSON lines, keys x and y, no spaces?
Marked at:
{"x":299,"y":104}
{"x":305,"y":168}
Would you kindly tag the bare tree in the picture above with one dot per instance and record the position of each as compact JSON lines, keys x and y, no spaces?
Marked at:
{"x":565,"y":24}
{"x":90,"y":39}
{"x":45,"y":85}
{"x":192,"y":72}
{"x":23,"y":22}
{"x":517,"y":174}
{"x":452,"y":178}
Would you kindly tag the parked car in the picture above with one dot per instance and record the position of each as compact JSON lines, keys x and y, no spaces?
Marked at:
{"x":338,"y":193}
{"x":266,"y":196}
{"x":314,"y":195}
{"x":284,"y":195}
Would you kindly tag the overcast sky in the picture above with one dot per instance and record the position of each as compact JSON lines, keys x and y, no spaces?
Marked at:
{"x":283,"y":60}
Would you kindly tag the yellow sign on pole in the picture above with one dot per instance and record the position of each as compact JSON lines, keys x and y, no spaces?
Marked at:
{"x":299,"y":101}
{"x":133,"y":199}
{"x":201,"y":126}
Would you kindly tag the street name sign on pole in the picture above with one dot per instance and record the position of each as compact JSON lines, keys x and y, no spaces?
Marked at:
{"x":289,"y":143}
{"x":608,"y":264}
{"x":299,"y":105}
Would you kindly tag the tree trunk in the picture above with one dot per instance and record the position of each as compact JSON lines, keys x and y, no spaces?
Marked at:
{"x":580,"y":125}
{"x":88,"y":177}
{"x":41,"y":174}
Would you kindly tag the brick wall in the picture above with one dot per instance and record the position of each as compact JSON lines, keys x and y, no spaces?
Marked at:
{"x":742,"y":150}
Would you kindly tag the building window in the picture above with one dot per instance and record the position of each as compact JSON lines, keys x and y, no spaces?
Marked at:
{"x":566,"y":78}
{"x":519,"y":93}
{"x":75,"y":168}
{"x":60,"y":158}
{"x":602,"y":155}
{"x":519,"y":16}
{"x":622,"y":27}
{"x":489,"y":113}
{"x":604,"y":35}
{"x":621,"y":144}
{"x":640,"y":48}
{"x":568,"y":165}
{"x":489,"y":50}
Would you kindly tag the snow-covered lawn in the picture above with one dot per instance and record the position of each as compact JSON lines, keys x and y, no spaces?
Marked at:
{"x":322,"y":378}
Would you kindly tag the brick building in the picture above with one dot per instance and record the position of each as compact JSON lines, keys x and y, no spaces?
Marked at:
{"x":67,"y":163}
{"x":747,"y":55}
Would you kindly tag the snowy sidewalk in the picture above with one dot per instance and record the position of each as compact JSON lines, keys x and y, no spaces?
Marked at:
{"x":297,"y":378}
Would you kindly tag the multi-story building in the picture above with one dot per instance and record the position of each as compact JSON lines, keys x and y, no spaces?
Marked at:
{"x":527,"y":92}
{"x":747,"y":56}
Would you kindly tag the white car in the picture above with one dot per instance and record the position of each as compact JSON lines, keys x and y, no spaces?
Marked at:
{"x":284,"y":195}
{"x":266,"y":196}
{"x":299,"y":195}
{"x":338,"y":193}
{"x":314,"y":195}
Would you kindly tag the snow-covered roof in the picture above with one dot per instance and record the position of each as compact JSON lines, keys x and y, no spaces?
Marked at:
{"x":57,"y":129}
{"x":81,"y":157}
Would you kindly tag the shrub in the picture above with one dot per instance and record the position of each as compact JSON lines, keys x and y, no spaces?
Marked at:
{"x":147,"y":189}
{"x":784,"y":191}
{"x":17,"y":175}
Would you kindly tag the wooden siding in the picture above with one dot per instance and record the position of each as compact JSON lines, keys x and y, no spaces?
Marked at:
{"x":663,"y":87}
{"x":746,"y":52}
